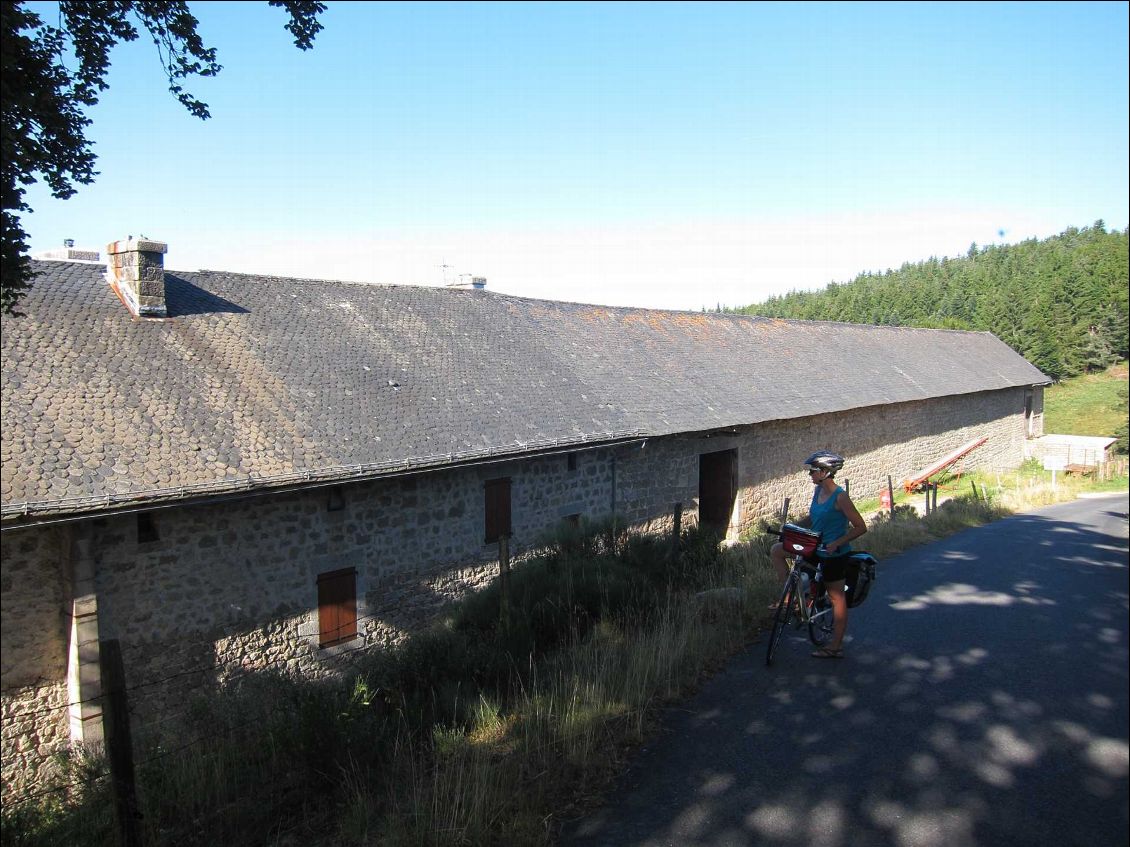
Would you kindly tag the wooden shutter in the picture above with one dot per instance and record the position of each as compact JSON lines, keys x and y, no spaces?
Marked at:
{"x":337,"y":606}
{"x":497,"y":509}
{"x":146,"y":528}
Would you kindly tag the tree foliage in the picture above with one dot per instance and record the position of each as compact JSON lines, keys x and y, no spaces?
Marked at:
{"x":51,"y":74}
{"x":1060,"y":302}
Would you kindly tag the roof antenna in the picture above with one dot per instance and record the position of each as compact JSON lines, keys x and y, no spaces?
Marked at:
{"x":444,"y":268}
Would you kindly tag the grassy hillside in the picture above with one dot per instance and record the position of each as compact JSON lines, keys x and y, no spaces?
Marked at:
{"x":1091,"y":404}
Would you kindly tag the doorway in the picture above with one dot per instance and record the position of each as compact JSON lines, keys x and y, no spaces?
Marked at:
{"x":717,"y":488}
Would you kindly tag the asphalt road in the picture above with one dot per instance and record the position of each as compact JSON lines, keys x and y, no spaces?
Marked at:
{"x":982,"y":701}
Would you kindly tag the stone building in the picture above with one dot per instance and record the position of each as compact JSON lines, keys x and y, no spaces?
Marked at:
{"x":224,"y":471}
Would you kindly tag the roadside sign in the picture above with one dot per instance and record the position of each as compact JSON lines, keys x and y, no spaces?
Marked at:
{"x":1055,"y":463}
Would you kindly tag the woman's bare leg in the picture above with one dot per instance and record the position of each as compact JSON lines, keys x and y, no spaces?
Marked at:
{"x":777,"y":560}
{"x":840,"y":610}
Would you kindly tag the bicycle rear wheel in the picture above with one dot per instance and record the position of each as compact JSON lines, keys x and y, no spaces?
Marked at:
{"x":784,"y":614}
{"x":822,"y":619}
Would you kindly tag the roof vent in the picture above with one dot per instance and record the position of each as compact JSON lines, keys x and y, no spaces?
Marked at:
{"x":136,"y":270}
{"x":467,"y":282}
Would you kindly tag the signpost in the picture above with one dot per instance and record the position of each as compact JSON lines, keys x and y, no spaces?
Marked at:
{"x":1053,"y":464}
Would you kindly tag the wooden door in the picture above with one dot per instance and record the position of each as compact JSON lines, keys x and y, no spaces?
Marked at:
{"x":717,"y":488}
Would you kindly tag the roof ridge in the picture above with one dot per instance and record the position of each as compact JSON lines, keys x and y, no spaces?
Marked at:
{"x":728,"y":315}
{"x":280,"y":278}
{"x":879,"y":326}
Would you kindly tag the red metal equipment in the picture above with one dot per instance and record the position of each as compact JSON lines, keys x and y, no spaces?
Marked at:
{"x":915,"y":482}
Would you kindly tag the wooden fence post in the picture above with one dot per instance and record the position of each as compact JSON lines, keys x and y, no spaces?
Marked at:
{"x":676,"y":530}
{"x":973,"y":485}
{"x":891,"y":494}
{"x":785,"y":512}
{"x":119,"y":745}
{"x":504,"y":580}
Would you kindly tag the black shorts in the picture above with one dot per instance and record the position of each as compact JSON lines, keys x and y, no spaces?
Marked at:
{"x":835,"y":567}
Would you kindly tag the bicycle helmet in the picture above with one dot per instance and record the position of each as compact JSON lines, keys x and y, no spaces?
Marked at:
{"x":825,"y":461}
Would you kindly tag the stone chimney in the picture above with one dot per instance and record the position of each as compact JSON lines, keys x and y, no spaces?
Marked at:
{"x":136,"y":269}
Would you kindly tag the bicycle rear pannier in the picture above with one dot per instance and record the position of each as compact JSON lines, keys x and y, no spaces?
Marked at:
{"x":860,"y":575}
{"x":799,"y":541}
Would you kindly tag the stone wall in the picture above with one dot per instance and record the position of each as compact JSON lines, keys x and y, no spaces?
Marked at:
{"x":34,"y":636}
{"x":231,"y":586}
{"x":35,"y":726}
{"x":652,"y":477}
{"x":893,"y":440}
{"x":896,"y":441}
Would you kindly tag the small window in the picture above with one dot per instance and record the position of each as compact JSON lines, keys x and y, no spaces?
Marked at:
{"x":335,"y":500}
{"x":572,"y":461}
{"x":497,"y":509}
{"x":337,"y":607}
{"x":146,"y":528}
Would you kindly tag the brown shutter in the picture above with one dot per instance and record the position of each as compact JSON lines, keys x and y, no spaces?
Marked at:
{"x":504,"y":508}
{"x":337,"y":606}
{"x":497,"y":497}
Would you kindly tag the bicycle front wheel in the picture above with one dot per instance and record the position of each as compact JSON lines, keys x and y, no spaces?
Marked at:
{"x":821,"y":619}
{"x":783,"y":616}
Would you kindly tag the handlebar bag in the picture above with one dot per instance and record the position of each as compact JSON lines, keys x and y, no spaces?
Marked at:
{"x":799,"y":541}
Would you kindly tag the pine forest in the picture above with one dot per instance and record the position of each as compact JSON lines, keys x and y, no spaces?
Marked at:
{"x":1060,"y":302}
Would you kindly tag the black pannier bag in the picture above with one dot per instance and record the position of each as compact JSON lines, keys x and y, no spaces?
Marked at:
{"x":860,"y":575}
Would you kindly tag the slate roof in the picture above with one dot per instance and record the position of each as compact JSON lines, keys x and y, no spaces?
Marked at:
{"x":258,"y":381}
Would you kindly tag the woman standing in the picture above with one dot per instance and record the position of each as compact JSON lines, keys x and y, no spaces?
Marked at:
{"x":835,"y":517}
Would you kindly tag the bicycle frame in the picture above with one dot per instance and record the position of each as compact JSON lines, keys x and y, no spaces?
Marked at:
{"x":811,"y":607}
{"x":806,"y":600}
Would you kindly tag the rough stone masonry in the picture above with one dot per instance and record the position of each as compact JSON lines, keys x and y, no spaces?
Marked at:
{"x":196,"y":594}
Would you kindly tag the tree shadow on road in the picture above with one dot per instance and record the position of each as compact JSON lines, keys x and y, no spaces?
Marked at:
{"x":983,"y":702}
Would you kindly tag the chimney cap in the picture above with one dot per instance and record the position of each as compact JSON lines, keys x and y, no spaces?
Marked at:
{"x":137,"y":245}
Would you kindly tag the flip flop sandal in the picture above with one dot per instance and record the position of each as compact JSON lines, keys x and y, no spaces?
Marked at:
{"x":826,"y":653}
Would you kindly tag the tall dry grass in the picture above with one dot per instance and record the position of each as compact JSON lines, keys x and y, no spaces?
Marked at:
{"x":506,"y":777}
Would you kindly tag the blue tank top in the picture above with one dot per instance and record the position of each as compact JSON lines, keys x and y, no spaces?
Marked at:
{"x":829,"y":521}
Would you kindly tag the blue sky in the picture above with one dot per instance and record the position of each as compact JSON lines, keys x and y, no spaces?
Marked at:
{"x":652,"y":154}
